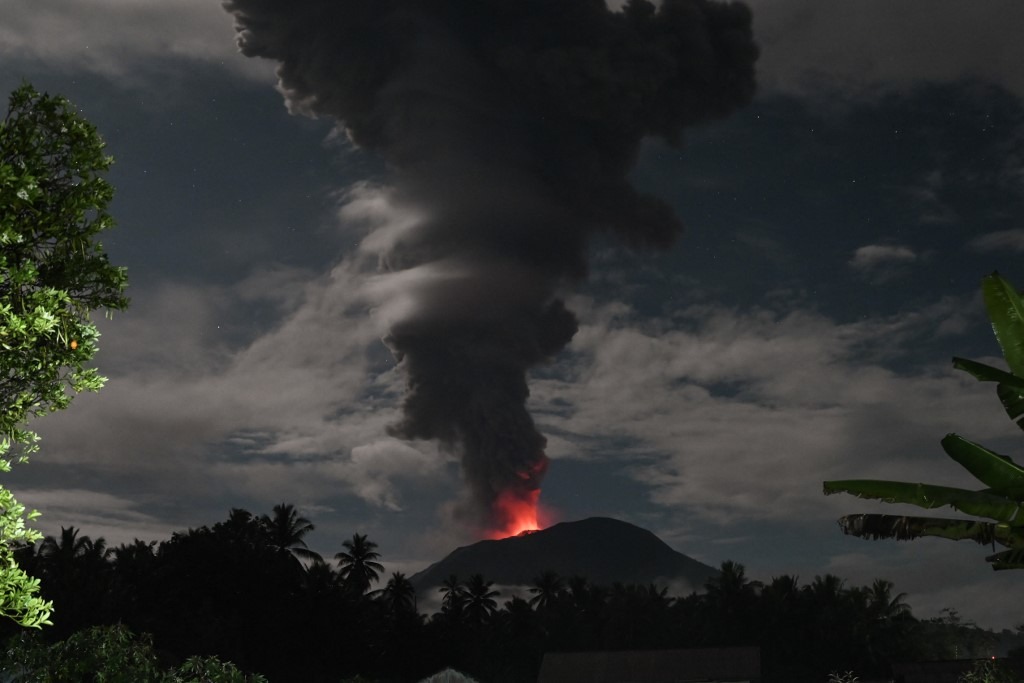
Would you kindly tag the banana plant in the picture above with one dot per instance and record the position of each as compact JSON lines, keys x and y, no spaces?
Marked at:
{"x":1000,"y":503}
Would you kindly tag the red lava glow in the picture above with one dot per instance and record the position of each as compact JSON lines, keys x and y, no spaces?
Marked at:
{"x":518,"y":510}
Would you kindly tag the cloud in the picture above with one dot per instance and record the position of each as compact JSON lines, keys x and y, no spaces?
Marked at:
{"x":880,"y":263}
{"x":99,"y":514}
{"x":875,"y":255}
{"x":878,"y":43}
{"x":731,"y":415}
{"x":293,"y":406}
{"x":117,"y":37}
{"x":956,"y":577}
{"x":804,"y":42}
{"x":1002,"y":240}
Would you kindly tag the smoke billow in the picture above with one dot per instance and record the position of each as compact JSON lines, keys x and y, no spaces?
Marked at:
{"x":510,"y":127}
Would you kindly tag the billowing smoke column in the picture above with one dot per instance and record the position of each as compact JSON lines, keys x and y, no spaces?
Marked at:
{"x":510,"y":127}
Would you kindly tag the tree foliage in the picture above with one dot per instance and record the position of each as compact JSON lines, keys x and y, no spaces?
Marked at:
{"x":229,"y":593}
{"x":113,"y":654}
{"x":1002,"y":498}
{"x":53,"y":274}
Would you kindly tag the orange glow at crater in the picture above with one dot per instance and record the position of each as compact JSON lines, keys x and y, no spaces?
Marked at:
{"x":517,"y":512}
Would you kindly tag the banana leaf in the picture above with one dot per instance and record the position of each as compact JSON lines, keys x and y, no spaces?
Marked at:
{"x":1010,"y":387}
{"x":903,"y":528}
{"x":978,"y":503}
{"x":1006,"y":311}
{"x":998,"y":472}
{"x":1008,"y":559}
{"x":984,"y":372}
{"x":1012,"y":399}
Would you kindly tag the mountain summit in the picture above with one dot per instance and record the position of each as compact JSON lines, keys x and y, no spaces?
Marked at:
{"x":601,"y":549}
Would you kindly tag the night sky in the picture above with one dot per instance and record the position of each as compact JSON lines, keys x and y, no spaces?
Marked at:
{"x":836,"y":230}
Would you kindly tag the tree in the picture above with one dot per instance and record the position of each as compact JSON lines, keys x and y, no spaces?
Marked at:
{"x":399,"y":596}
{"x":286,"y":530}
{"x":359,"y":566}
{"x":480,"y":602}
{"x":1002,"y":499}
{"x":453,"y":596}
{"x":547,"y":589}
{"x":53,"y":275}
{"x":883,"y":605}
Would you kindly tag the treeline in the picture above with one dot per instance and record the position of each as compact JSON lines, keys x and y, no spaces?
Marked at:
{"x":249,"y":591}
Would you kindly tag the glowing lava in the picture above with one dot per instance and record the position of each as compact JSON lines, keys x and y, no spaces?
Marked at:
{"x":517,"y":514}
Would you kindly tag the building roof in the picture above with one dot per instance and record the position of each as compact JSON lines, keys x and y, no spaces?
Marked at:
{"x":653,"y":666}
{"x":449,"y":676}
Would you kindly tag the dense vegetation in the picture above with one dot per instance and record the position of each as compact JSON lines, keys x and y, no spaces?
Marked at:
{"x":54,"y":274}
{"x":248,"y":591}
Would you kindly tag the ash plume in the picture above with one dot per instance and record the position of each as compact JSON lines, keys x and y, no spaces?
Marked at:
{"x":510,"y":127}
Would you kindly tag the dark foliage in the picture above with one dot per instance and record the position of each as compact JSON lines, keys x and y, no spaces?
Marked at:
{"x":236,"y":591}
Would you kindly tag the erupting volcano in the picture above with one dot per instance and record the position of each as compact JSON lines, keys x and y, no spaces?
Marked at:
{"x":510,"y":128}
{"x":517,"y":514}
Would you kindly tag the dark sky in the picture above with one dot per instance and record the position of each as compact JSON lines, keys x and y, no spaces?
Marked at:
{"x":800,"y":329}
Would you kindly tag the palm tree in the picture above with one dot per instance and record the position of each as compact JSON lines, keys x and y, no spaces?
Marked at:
{"x":826,"y":591}
{"x":883,"y":605}
{"x":480,"y":603}
{"x":63,"y":551}
{"x":359,"y":566}
{"x":454,"y":596}
{"x":286,"y":530}
{"x":76,"y":577}
{"x":399,"y":596}
{"x":730,"y":603}
{"x":547,"y":589}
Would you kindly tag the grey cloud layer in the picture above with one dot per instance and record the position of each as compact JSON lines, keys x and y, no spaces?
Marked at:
{"x":805,"y":43}
{"x":808,"y":44}
{"x":117,"y":37}
{"x":739,"y":415}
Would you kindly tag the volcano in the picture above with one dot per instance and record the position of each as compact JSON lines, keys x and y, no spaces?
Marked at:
{"x":600,"y":549}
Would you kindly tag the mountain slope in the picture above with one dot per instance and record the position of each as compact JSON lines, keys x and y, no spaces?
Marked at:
{"x":601,"y":549}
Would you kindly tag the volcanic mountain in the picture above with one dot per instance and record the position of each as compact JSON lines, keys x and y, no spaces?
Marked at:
{"x":600,"y":549}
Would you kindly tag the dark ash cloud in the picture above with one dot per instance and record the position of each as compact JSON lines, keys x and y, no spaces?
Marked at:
{"x":510,"y":128}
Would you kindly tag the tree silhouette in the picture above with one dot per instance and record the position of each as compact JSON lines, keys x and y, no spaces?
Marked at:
{"x":453,"y":598}
{"x":398,"y":596}
{"x":480,"y":603}
{"x":882,"y":604}
{"x":286,"y":531}
{"x":359,"y":566}
{"x":547,"y":589}
{"x":77,"y":573}
{"x":729,"y":604}
{"x":64,"y":550}
{"x":228,"y":591}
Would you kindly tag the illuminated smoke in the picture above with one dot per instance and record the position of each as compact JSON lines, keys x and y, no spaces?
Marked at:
{"x":510,"y":127}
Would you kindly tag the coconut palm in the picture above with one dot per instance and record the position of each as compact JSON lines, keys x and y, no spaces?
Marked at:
{"x":359,"y":566}
{"x":76,"y":573}
{"x":547,"y":589}
{"x":286,"y":530}
{"x":480,"y":603}
{"x":67,"y":548}
{"x":453,"y":595}
{"x":883,"y":605}
{"x":398,"y":596}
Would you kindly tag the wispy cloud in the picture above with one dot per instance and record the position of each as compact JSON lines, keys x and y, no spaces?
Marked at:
{"x":114,"y":37}
{"x":877,"y":44}
{"x":1002,"y":240}
{"x":873,"y":256}
{"x":880,"y":263}
{"x":194,"y":403}
{"x":733,"y":415}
